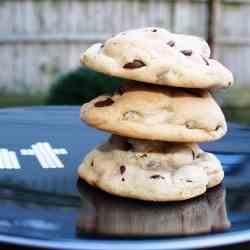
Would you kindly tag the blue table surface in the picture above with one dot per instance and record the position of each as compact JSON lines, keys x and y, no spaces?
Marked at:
{"x":44,"y":207}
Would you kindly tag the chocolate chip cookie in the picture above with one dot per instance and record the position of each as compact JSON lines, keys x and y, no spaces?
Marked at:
{"x":157,"y":56}
{"x":160,"y":172}
{"x":157,"y":113}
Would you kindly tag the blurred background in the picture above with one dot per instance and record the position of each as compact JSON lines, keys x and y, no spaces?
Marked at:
{"x":41,"y":40}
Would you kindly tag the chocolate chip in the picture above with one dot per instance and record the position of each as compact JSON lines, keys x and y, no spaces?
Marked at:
{"x":205,"y":60}
{"x":92,"y":163}
{"x":171,"y":43}
{"x":198,"y":156}
{"x":123,"y":179}
{"x":122,"y":169}
{"x":132,"y":115}
{"x":154,"y":30}
{"x":107,"y":102}
{"x":193,"y":154}
{"x":218,"y":127}
{"x":134,"y":65}
{"x":229,"y":84}
{"x":187,"y":52}
{"x":189,"y":124}
{"x":189,"y":181}
{"x":156,"y":176}
{"x":102,"y":45}
{"x":153,"y":164}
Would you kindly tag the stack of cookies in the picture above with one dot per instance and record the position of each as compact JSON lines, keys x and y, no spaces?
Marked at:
{"x":157,"y":118}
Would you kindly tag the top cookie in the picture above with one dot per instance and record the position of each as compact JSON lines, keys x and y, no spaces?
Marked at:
{"x":156,"y":56}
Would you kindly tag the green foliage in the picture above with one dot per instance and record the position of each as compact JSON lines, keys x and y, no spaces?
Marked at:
{"x":80,"y":86}
{"x":238,"y":115}
{"x":232,"y":4}
{"x":235,"y":97}
{"x":17,"y":100}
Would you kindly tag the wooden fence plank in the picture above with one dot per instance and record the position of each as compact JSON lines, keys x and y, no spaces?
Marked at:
{"x":6,"y":11}
{"x":235,"y":20}
{"x":40,"y":39}
{"x":191,"y":17}
{"x":213,"y":22}
{"x":6,"y":66}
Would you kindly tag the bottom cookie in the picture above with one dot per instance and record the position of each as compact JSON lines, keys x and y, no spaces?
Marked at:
{"x":154,"y":171}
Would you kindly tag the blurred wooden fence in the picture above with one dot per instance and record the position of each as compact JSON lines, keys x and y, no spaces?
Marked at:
{"x":41,"y":38}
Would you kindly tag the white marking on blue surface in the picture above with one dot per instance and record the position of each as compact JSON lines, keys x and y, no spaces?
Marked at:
{"x":8,"y":159}
{"x":46,"y":155}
